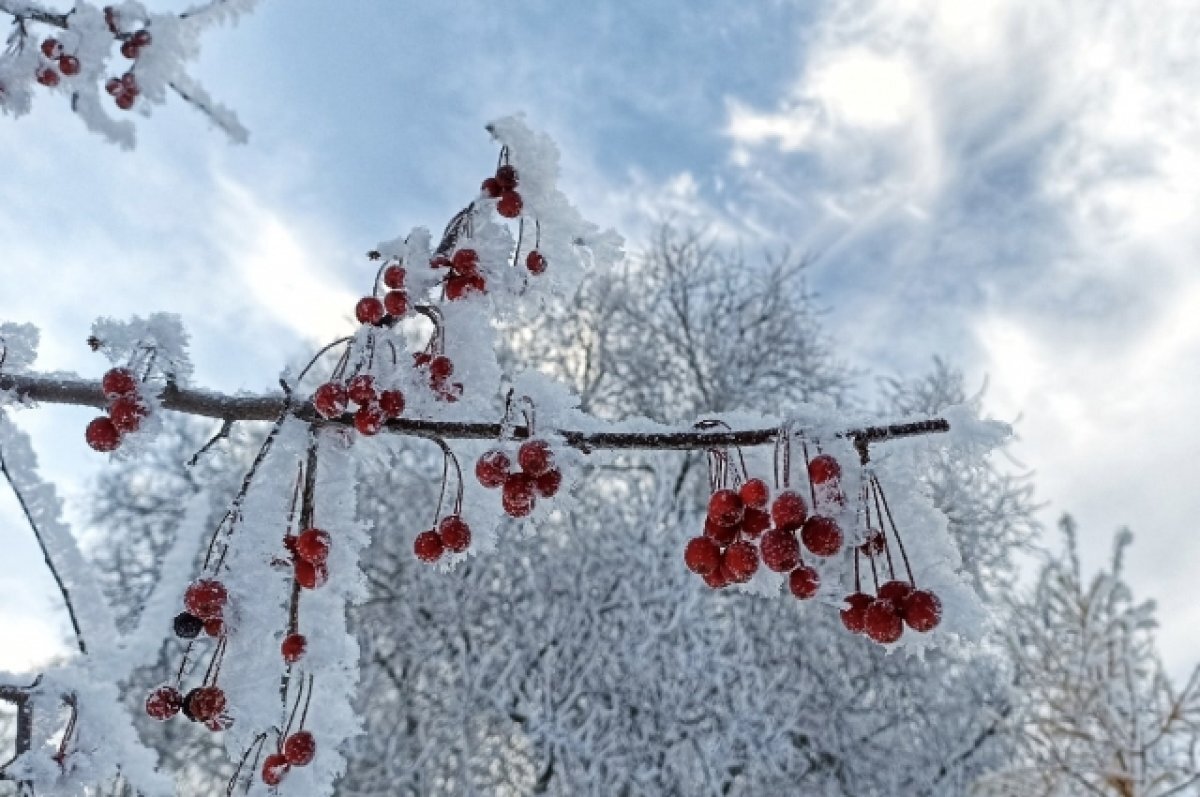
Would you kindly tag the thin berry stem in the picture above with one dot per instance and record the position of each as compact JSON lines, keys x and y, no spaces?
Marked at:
{"x":887,"y":548}
{"x":895,"y":531}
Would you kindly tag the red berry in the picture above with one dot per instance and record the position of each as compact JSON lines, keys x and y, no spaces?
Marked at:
{"x":129,"y":83}
{"x":922,"y":610}
{"x":309,"y":575}
{"x":854,"y":616}
{"x":896,"y":592}
{"x":548,"y":483}
{"x":535,"y":457}
{"x":214,"y":626}
{"x":428,"y":546}
{"x":369,"y":310}
{"x":125,"y":101}
{"x":517,"y":495}
{"x":47,"y":76}
{"x":393,"y":277}
{"x":142,"y":38}
{"x":755,"y":493}
{"x":466,"y":261}
{"x":330,"y":399}
{"x":395,"y":303}
{"x":392,"y":403}
{"x":506,"y":176}
{"x":293,"y":647}
{"x":361,"y":389}
{"x":102,"y":435}
{"x":51,"y":48}
{"x":822,"y":535}
{"x":725,"y":508}
{"x":875,"y":544}
{"x":789,"y":510}
{"x":130,"y":50}
{"x":440,"y":368}
{"x":461,"y":286}
{"x":509,"y":205}
{"x":206,"y":598}
{"x":535,"y":261}
{"x":491,"y":187}
{"x":804,"y":582}
{"x":455,"y":533}
{"x":882,"y":622}
{"x":755,"y":522}
{"x":164,"y":703}
{"x":114,"y":86}
{"x":274,"y":767}
{"x":68,"y":65}
{"x":702,"y":556}
{"x":118,"y":382}
{"x":717,"y":579}
{"x":492,"y":468}
{"x":206,"y":702}
{"x":369,"y":419}
{"x":312,"y":545}
{"x":742,"y":560}
{"x":824,"y":468}
{"x":721,"y":535}
{"x":780,"y":551}
{"x":126,"y":413}
{"x":300,"y":748}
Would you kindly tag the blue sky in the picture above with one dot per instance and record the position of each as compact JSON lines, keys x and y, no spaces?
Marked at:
{"x":1012,"y":185}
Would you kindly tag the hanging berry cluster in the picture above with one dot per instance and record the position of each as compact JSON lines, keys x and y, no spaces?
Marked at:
{"x":131,"y":33}
{"x":126,"y":410}
{"x":536,"y":475}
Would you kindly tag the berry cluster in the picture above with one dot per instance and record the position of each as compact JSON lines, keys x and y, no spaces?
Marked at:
{"x":67,"y":64}
{"x":124,"y":89}
{"x":437,"y":370}
{"x":309,"y":551}
{"x":503,"y":188}
{"x":452,"y":534}
{"x":373,"y":407}
{"x":204,"y":604}
{"x":463,"y":276}
{"x":298,"y":749}
{"x":126,"y":410}
{"x":537,"y":476}
{"x":373,"y":311}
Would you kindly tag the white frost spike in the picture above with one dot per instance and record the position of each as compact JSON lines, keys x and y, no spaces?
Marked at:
{"x":18,"y":347}
{"x":159,"y":340}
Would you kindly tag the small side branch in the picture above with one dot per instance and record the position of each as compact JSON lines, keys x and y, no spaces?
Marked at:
{"x":20,"y":696}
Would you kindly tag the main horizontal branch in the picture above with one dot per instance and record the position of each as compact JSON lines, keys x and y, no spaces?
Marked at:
{"x":204,"y":403}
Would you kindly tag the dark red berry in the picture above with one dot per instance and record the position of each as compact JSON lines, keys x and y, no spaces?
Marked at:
{"x":392,"y":403}
{"x":509,"y":205}
{"x":206,"y":598}
{"x":51,"y":48}
{"x":47,"y":76}
{"x":517,"y":495}
{"x":102,"y":435}
{"x":882,"y":622}
{"x":789,"y":510}
{"x":492,"y":468}
{"x":535,"y":261}
{"x":361,"y":389}
{"x":369,"y":310}
{"x":293,"y":647}
{"x":466,"y":261}
{"x":129,"y":83}
{"x":822,"y":535}
{"x":127,"y":413}
{"x":922,"y":610}
{"x":535,"y":457}
{"x":755,"y":493}
{"x":440,"y":368}
{"x":506,"y":176}
{"x":187,"y":625}
{"x":460,"y":286}
{"x":721,"y":535}
{"x":274,"y":767}
{"x":393,"y":277}
{"x":428,"y":546}
{"x":854,"y":614}
{"x":491,"y":187}
{"x":300,"y":748}
{"x":742,"y":560}
{"x":755,"y":522}
{"x":214,"y":627}
{"x":896,"y":592}
{"x":780,"y":551}
{"x":330,"y":399}
{"x":130,"y":50}
{"x":68,"y":65}
{"x":164,"y":703}
{"x":548,"y":483}
{"x":114,"y":86}
{"x":118,"y":382}
{"x":725,"y":508}
{"x":125,"y":101}
{"x":369,"y":419}
{"x":804,"y":582}
{"x":308,"y":575}
{"x":312,"y":545}
{"x":207,"y":702}
{"x":823,"y":468}
{"x":717,"y":579}
{"x":702,"y":556}
{"x":142,"y":38}
{"x":395,"y":303}
{"x":455,"y":533}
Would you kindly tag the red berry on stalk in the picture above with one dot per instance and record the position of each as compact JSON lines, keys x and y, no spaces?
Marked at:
{"x":125,"y":101}
{"x":548,"y":483}
{"x":68,"y":65}
{"x":804,"y":582}
{"x":854,"y":616}
{"x":369,"y":310}
{"x":47,"y":76}
{"x":428,"y":546}
{"x":206,"y":598}
{"x":361,"y":389}
{"x":126,"y":413}
{"x":207,"y":702}
{"x":293,"y":647}
{"x":789,"y":510}
{"x":517,"y":495}
{"x":369,"y":419}
{"x":114,"y":86}
{"x":822,"y":535}
{"x":461,"y":286}
{"x":491,"y":187}
{"x":780,"y":551}
{"x":465,"y":261}
{"x":308,"y":575}
{"x":300,"y":748}
{"x":824,"y":468}
{"x":535,"y":457}
{"x":742,"y":560}
{"x":455,"y":533}
{"x":755,"y":522}
{"x":922,"y":610}
{"x":214,"y":626}
{"x":330,"y":399}
{"x":395,"y":303}
{"x":721,"y":535}
{"x":164,"y":703}
{"x":130,"y":50}
{"x":274,"y":767}
{"x":882,"y":622}
{"x":717,"y":579}
{"x":102,"y":435}
{"x":312,"y":545}
{"x":129,"y":83}
{"x":118,"y":382}
{"x":510,"y":204}
{"x":440,"y":368}
{"x":506,"y":176}
{"x":755,"y":493}
{"x":535,"y":261}
{"x":393,"y":277}
{"x":51,"y":48}
{"x":392,"y":403}
{"x":702,"y":556}
{"x":725,"y":508}
{"x":896,"y":592}
{"x":142,"y":38}
{"x":492,"y":468}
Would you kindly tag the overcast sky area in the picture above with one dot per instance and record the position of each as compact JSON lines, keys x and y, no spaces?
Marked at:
{"x":1014,"y":186}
